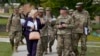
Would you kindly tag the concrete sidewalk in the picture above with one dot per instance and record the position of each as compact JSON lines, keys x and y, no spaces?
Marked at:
{"x":4,"y":39}
{"x":23,"y":52}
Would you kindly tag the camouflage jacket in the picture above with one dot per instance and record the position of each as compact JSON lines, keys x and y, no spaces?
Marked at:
{"x":81,"y":19}
{"x":47,"y":29}
{"x":14,"y":23}
{"x":68,"y":20}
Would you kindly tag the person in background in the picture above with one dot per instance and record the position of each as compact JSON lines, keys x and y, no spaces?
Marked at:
{"x":49,"y":29}
{"x":81,"y":20}
{"x":15,"y":29}
{"x":71,"y":11}
{"x":41,"y":42}
{"x":64,"y":24}
{"x":22,"y":17}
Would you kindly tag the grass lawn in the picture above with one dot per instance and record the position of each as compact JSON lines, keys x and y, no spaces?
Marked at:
{"x":3,"y":34}
{"x":93,"y":38}
{"x":92,"y":51}
{"x":5,"y":49}
{"x":3,"y":21}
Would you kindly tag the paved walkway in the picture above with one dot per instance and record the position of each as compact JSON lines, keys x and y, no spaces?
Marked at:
{"x":23,"y":52}
{"x":4,"y":39}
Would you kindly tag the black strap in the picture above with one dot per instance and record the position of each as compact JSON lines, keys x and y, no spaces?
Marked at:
{"x":11,"y":18}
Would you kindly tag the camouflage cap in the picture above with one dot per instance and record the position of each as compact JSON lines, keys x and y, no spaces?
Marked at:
{"x":67,"y":8}
{"x":71,"y":10}
{"x":48,"y":8}
{"x":79,"y":3}
{"x":40,"y":9}
{"x":77,"y":6}
{"x":64,"y":8}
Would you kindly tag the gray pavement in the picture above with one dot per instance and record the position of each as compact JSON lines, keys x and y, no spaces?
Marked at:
{"x":4,"y":39}
{"x":23,"y":52}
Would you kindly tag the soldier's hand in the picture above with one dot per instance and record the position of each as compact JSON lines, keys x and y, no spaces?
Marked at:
{"x":42,"y":21}
{"x":59,"y":26}
{"x":64,"y":25}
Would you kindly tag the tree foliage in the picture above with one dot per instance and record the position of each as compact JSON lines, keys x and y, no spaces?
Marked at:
{"x":56,"y":4}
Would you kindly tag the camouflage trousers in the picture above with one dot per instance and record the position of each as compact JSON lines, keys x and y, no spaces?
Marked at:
{"x":75,"y":40}
{"x":15,"y":38}
{"x":52,"y":39}
{"x":64,"y":45}
{"x":42,"y":46}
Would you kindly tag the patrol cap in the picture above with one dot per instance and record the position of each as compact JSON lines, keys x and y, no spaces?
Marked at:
{"x":71,"y":10}
{"x":77,"y":6}
{"x":16,"y":8}
{"x":40,"y":9}
{"x":48,"y":8}
{"x":67,"y":8}
{"x":63,"y":8}
{"x":79,"y":3}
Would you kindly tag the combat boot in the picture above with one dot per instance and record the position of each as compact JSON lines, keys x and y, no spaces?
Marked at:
{"x":50,"y":49}
{"x":59,"y":54}
{"x":15,"y":49}
{"x":46,"y":52}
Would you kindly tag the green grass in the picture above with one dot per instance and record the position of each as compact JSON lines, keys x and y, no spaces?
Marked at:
{"x":3,"y":34}
{"x":5,"y":49}
{"x":3,"y":21}
{"x":93,"y":38}
{"x":93,"y":51}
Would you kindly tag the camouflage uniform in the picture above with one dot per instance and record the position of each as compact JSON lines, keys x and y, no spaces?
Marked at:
{"x":15,"y":30}
{"x":42,"y":43}
{"x":48,"y":32}
{"x":64,"y":36}
{"x":80,"y":19}
{"x":41,"y":47}
{"x":51,"y":30}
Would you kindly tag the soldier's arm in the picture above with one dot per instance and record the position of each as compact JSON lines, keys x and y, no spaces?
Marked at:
{"x":70,"y":24}
{"x":75,"y":21}
{"x":8,"y":24}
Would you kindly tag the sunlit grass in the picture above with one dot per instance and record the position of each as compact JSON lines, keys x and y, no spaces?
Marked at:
{"x":93,"y":38}
{"x":5,"y":49}
{"x":3,"y":21}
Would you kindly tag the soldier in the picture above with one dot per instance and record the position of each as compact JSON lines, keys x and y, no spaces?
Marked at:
{"x":71,"y":11}
{"x":22,"y":17}
{"x":81,"y":19}
{"x":15,"y":29}
{"x":64,"y":24}
{"x":50,"y":33}
{"x":41,"y":43}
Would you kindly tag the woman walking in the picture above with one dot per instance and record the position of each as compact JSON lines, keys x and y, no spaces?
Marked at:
{"x":35,"y":28}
